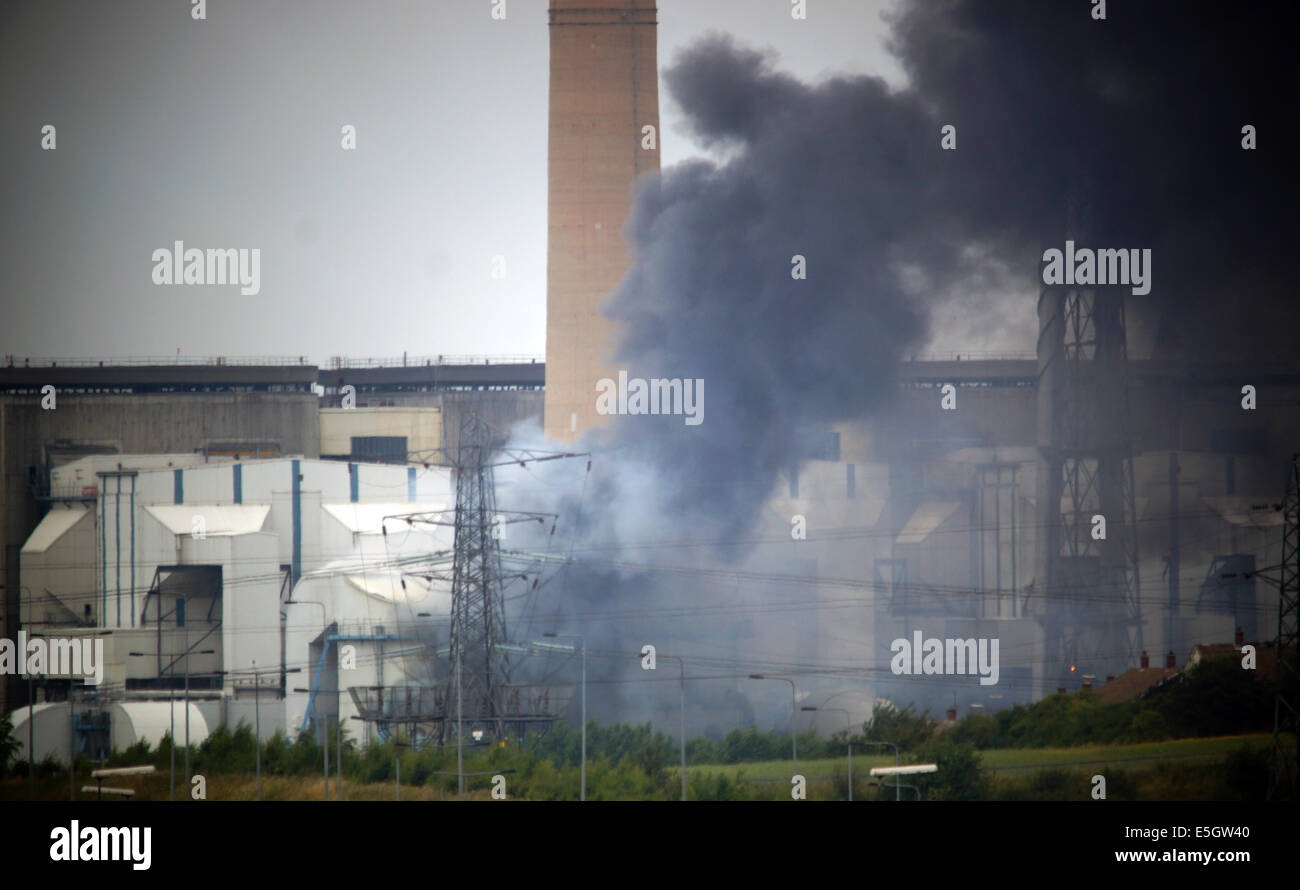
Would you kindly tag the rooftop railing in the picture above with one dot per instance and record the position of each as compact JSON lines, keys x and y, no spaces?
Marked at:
{"x":335,"y":362}
{"x":419,"y":361}
{"x":11,"y":361}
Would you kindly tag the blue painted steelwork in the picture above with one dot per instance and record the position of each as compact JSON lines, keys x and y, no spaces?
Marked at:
{"x":103,"y":549}
{"x":117,"y":545}
{"x":354,"y":483}
{"x":178,"y":487}
{"x":297,"y":520}
{"x":133,"y":551}
{"x":238,"y":480}
{"x":331,"y":639}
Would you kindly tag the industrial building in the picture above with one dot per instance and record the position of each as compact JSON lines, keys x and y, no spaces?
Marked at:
{"x":205,"y":411}
{"x":200,"y":576}
{"x":256,"y":493}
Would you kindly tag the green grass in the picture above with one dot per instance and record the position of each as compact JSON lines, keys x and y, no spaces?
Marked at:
{"x":1009,"y":760}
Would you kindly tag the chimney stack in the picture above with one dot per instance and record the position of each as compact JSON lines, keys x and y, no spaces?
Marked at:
{"x":1171,"y":660}
{"x":1060,"y":690}
{"x":1087,"y":681}
{"x":604,"y":132}
{"x":1146,"y":661}
{"x":1240,"y":637}
{"x":1110,"y":677}
{"x":952,"y":715}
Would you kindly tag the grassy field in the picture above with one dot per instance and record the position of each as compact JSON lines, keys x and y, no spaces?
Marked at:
{"x":1182,"y":769}
{"x":1009,"y":760}
{"x":242,"y":786}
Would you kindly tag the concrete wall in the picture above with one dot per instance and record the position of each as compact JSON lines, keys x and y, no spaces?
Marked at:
{"x":420,"y":425}
{"x":502,"y":410}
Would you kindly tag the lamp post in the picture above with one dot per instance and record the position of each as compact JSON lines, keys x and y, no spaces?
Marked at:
{"x":848,"y":728}
{"x":878,"y":784}
{"x":681,"y":665}
{"x":187,"y":707}
{"x":325,"y":740}
{"x":895,"y":747}
{"x":31,"y":736}
{"x":257,"y":716}
{"x":794,"y":750}
{"x":171,"y":706}
{"x":582,"y":646}
{"x":324,"y":630}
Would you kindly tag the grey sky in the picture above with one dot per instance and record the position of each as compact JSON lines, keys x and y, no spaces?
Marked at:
{"x":226,"y":133}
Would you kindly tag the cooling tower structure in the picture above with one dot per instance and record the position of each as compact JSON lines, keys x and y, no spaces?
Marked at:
{"x":604,"y":132}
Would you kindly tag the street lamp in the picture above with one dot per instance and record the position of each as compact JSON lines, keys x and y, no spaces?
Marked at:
{"x":878,"y":784}
{"x":582,"y":646}
{"x":257,"y":714}
{"x":681,"y":665}
{"x":895,"y":747}
{"x":325,"y":741}
{"x":324,"y":734}
{"x":794,"y":750}
{"x":848,"y":728}
{"x":171,"y":706}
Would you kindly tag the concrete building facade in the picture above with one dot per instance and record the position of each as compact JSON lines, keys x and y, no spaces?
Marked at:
{"x":194,"y":575}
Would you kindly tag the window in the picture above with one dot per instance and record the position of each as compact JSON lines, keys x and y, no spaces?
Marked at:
{"x":382,"y":449}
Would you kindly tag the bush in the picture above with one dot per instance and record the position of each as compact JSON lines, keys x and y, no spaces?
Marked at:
{"x":8,"y":744}
{"x":959,"y":776}
{"x":905,"y":728}
{"x":1245,"y":774}
{"x":979,"y":730}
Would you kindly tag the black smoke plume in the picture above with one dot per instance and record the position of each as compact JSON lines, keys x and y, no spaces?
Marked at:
{"x":1123,"y":133}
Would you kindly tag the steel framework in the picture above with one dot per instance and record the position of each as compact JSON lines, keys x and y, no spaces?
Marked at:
{"x":1087,"y":471}
{"x":475,"y":697}
{"x":1286,"y":754}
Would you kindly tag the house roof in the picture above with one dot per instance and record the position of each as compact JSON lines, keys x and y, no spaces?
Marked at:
{"x":1132,"y":684}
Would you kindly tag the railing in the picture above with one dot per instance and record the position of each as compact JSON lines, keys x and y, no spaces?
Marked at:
{"x":971,"y":357}
{"x":140,"y":361}
{"x":339,"y":362}
{"x":336,"y":362}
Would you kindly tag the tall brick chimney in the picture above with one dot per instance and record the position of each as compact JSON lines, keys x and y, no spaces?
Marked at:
{"x":604,"y":92}
{"x":1240,"y":638}
{"x":1146,"y":660}
{"x":1171,"y":660}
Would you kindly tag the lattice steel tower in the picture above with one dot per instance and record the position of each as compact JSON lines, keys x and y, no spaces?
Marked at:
{"x":1089,"y":587}
{"x":478,"y":664}
{"x":1286,"y":703}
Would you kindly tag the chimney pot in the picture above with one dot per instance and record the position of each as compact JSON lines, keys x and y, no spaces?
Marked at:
{"x":1240,"y":638}
{"x":1146,"y":661}
{"x":1171,"y":660}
